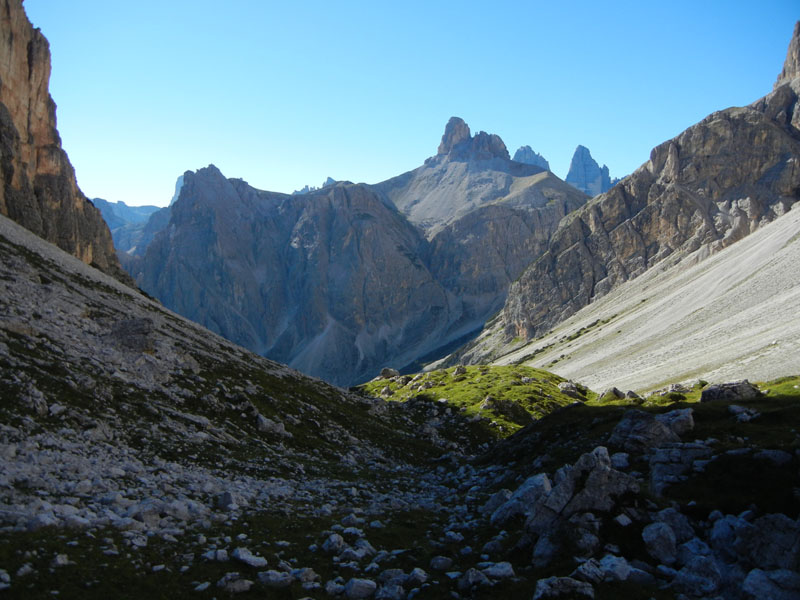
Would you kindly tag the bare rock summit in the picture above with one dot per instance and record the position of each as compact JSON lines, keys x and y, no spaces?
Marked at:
{"x":458,"y":143}
{"x":791,"y":67}
{"x":527,"y":155}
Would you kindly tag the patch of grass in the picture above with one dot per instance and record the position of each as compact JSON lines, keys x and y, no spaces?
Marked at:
{"x":510,"y":396}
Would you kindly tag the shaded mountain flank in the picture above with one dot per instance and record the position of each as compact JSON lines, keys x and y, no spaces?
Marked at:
{"x":338,"y":282}
{"x":37,"y":182}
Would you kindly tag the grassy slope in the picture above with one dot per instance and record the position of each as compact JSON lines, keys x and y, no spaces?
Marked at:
{"x":518,"y":394}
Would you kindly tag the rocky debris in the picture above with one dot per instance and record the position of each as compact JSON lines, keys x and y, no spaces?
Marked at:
{"x":586,"y":175}
{"x":743,"y":414}
{"x":472,"y":578}
{"x":562,"y":587}
{"x":570,"y":389}
{"x":359,"y":588}
{"x":441,"y":563}
{"x":588,"y":485}
{"x":521,"y":500}
{"x":244,"y":555}
{"x":779,"y":584}
{"x":525,"y":154}
{"x":672,"y":462}
{"x":388,"y":373}
{"x":233,"y":583}
{"x":134,"y":335}
{"x":736,"y":391}
{"x":267,"y":425}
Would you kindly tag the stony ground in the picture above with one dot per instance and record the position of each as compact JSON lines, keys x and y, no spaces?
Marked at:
{"x":144,"y":456}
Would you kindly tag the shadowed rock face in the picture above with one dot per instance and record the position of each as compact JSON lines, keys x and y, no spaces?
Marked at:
{"x":707,"y":188}
{"x":332,"y":282}
{"x":37,"y":183}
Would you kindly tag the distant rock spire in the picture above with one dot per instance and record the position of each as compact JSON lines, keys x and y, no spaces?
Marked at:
{"x":455,"y":132}
{"x":586,"y":175}
{"x":457,"y":143}
{"x":791,"y":67}
{"x":526,"y":155}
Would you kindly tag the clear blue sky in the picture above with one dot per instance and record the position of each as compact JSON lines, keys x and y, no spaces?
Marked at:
{"x":284,"y":94}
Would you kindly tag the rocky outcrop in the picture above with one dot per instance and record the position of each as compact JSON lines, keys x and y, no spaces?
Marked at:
{"x":469,"y":172}
{"x":525,"y":154}
{"x":586,"y":175}
{"x":709,"y":187}
{"x":37,"y":182}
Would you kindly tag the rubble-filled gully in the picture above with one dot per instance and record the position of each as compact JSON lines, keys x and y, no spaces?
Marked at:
{"x":78,"y":483}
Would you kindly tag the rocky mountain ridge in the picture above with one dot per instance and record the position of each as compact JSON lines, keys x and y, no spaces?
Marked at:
{"x":37,"y":182}
{"x":657,"y":329}
{"x":707,"y":188}
{"x":337,"y":282}
{"x":128,"y":224}
{"x":323,"y":281}
{"x":468,"y":173}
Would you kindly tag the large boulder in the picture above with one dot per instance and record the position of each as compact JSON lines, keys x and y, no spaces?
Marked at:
{"x":659,"y":539}
{"x":562,"y":587}
{"x":588,"y":485}
{"x":638,"y":431}
{"x":523,"y":499}
{"x":780,"y":584}
{"x":735,"y":391}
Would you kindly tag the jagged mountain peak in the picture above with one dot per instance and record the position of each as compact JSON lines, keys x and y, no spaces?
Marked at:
{"x":455,"y":132}
{"x":528,"y":156}
{"x":586,"y":174}
{"x":458,"y":143}
{"x":791,"y":66}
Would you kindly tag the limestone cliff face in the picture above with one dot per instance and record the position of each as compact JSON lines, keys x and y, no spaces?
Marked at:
{"x":37,"y":181}
{"x":332,"y":282}
{"x":469,"y":172}
{"x":707,"y":188}
{"x":478,"y":256}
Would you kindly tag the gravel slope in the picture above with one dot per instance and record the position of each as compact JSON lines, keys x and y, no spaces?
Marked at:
{"x":733,"y":315}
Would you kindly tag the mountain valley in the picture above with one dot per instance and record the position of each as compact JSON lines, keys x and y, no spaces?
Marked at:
{"x":623,"y":423}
